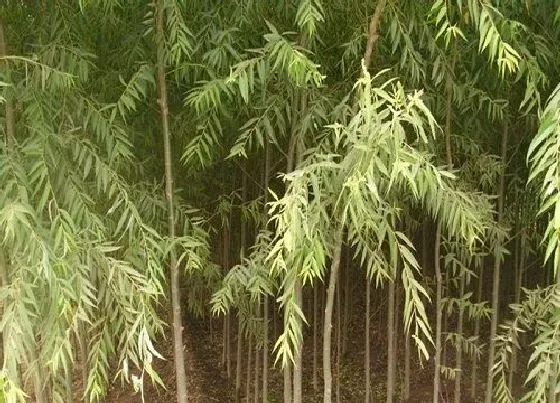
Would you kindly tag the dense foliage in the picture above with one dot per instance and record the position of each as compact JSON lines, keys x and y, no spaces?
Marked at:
{"x":359,"y":125}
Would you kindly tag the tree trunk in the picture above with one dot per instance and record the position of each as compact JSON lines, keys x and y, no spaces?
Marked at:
{"x":178,"y":353}
{"x":265,"y":352}
{"x":437,"y":356}
{"x":288,"y":383}
{"x":315,"y":318}
{"x":519,"y":262}
{"x":298,"y":358}
{"x":249,"y":359}
{"x":459,"y":351}
{"x":256,"y":381}
{"x":338,"y":339}
{"x":496,"y":274}
{"x":265,"y":303}
{"x":327,"y":325}
{"x":238,"y":364}
{"x":243,"y":245}
{"x":347,"y":296}
{"x":391,"y":340}
{"x":406,"y":386}
{"x":476,"y":334}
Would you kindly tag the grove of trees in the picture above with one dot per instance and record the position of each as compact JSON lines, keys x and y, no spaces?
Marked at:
{"x":301,"y":177}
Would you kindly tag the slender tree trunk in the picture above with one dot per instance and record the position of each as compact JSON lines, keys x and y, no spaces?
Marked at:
{"x":224,"y":341}
{"x":391,"y":340}
{"x":249,"y":360}
{"x":338,"y":339}
{"x":347,"y":296}
{"x":265,"y":303}
{"x":367,"y":358}
{"x":228,"y":346}
{"x":496,"y":275}
{"x":243,"y":245}
{"x":437,"y":356}
{"x":178,"y":353}
{"x":519,"y":263}
{"x":476,"y":334}
{"x":298,"y":356}
{"x":288,"y":383}
{"x":38,"y":377}
{"x":315,"y":318}
{"x":406,"y":386}
{"x":459,"y":351}
{"x":327,"y":325}
{"x":256,"y":381}
{"x":238,"y":363}
{"x":69,"y":384}
{"x":265,"y":352}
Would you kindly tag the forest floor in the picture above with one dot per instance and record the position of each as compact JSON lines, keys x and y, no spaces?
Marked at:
{"x":208,"y":381}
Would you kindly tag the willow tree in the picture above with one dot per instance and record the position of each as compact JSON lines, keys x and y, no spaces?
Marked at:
{"x":85,"y":230}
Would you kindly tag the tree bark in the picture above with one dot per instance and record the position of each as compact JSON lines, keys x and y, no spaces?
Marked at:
{"x":373,"y":34}
{"x":338,"y":339}
{"x":178,"y":353}
{"x":496,"y":275}
{"x":476,"y":334}
{"x":327,"y":325}
{"x":249,"y":359}
{"x":315,"y":318}
{"x":437,"y":356}
{"x":347,"y":303}
{"x":391,"y":340}
{"x":265,"y":303}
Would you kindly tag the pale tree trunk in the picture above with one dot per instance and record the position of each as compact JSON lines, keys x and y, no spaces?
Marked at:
{"x":265,"y":302}
{"x":437,"y":356}
{"x":315,"y":318}
{"x":439,"y":294}
{"x":406,"y":381}
{"x":238,"y":364}
{"x":243,"y":245}
{"x":519,"y":263}
{"x":459,"y":350}
{"x":496,"y":274}
{"x":288,"y":381}
{"x":38,"y":377}
{"x":474,"y":369}
{"x":391,"y":340}
{"x":338,"y":340}
{"x":327,"y":325}
{"x":249,"y":359}
{"x":372,"y":38}
{"x":256,"y":381}
{"x":178,"y":353}
{"x":298,"y":356}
